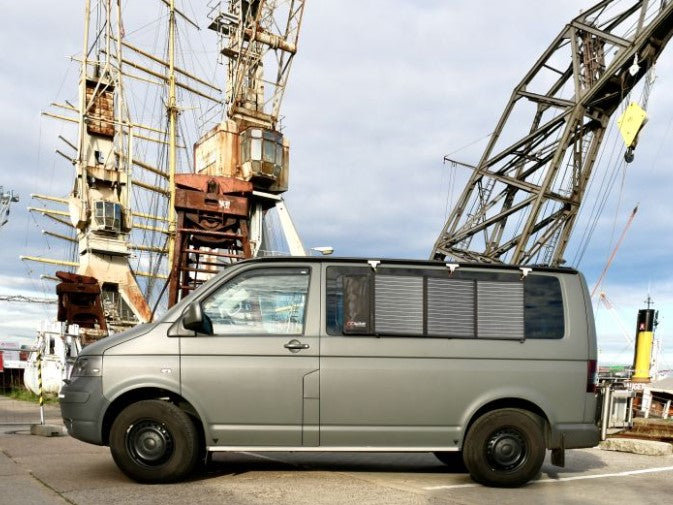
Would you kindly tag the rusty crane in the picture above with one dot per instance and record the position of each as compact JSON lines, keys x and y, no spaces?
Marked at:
{"x":242,"y":164}
{"x":523,"y":197}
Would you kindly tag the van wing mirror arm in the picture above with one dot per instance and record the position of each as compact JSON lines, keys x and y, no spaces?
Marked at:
{"x":192,"y":322}
{"x":178,"y":330}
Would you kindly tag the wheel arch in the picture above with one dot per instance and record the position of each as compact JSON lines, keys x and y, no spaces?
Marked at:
{"x":149,"y":393}
{"x":510,"y":403}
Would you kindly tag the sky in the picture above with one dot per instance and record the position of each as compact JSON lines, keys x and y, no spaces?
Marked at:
{"x":379,"y":92}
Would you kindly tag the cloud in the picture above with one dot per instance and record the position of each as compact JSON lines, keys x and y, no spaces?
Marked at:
{"x":379,"y":92}
{"x":616,"y":320}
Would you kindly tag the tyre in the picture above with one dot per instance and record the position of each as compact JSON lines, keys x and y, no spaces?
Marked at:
{"x":154,"y":441}
{"x":453,"y":460}
{"x":505,"y":448}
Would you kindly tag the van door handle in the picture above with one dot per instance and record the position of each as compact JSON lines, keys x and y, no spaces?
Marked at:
{"x":295,"y":345}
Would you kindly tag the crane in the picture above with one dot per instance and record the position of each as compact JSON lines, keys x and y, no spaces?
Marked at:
{"x":523,"y":197}
{"x":242,"y":164}
{"x":6,"y":198}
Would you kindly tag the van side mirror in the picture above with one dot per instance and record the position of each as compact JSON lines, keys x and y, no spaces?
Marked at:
{"x":194,"y":319}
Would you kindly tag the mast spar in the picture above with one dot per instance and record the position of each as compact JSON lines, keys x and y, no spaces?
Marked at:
{"x":120,"y":213}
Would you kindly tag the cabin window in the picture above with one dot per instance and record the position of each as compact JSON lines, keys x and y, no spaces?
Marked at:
{"x":260,"y":302}
{"x":108,"y":216}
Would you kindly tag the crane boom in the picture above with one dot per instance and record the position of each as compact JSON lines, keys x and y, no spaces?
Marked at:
{"x":522,"y":199}
{"x":260,"y":41}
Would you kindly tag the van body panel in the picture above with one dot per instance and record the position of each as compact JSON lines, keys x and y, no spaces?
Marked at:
{"x":126,"y":372}
{"x":274,"y":375}
{"x":250,"y":389}
{"x":152,"y":340}
{"x":429,"y":401}
{"x":249,"y":396}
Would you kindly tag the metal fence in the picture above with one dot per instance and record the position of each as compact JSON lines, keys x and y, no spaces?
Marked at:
{"x":616,"y":407}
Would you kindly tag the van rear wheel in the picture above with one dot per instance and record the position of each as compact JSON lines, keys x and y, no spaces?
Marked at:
{"x":154,"y":441}
{"x":505,"y":448}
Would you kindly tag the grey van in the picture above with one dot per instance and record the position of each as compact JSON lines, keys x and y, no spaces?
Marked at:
{"x":495,"y":363}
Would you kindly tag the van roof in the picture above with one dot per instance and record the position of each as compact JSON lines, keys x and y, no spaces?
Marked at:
{"x":394,"y":261}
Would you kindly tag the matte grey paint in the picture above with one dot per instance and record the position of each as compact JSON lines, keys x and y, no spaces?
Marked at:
{"x":355,"y":392}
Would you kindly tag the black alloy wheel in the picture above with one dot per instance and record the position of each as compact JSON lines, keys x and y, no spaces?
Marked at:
{"x":154,"y":441}
{"x":505,"y":448}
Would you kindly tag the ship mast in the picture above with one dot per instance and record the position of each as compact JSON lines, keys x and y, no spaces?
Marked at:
{"x":99,"y":203}
{"x":172,"y":135}
{"x":121,"y":155}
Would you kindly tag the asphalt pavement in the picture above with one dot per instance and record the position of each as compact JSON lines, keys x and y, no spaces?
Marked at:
{"x":61,"y":470}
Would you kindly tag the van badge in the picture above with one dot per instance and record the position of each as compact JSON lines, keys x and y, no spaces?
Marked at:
{"x":167,"y":370}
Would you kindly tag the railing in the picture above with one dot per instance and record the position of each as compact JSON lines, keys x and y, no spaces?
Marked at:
{"x":615,"y":407}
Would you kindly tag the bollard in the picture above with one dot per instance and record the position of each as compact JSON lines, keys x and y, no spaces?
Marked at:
{"x":39,"y":385}
{"x":605,"y":409}
{"x":42,"y":429}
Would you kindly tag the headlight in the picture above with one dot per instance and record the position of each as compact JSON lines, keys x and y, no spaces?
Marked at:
{"x":87,"y":366}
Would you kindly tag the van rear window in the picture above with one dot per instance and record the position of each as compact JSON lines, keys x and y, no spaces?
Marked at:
{"x":426,"y":302}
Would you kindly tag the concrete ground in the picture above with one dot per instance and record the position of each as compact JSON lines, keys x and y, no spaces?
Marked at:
{"x":61,"y":470}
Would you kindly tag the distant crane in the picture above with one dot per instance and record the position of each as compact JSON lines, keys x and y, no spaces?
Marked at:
{"x":523,"y":197}
{"x":243,"y":163}
{"x":6,"y":198}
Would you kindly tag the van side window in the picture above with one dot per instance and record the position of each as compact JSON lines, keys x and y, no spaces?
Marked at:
{"x":260,"y":302}
{"x":543,"y":307}
{"x":427,"y":302}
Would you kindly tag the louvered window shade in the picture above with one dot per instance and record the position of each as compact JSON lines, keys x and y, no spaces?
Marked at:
{"x":500,"y":310}
{"x":398,"y":305}
{"x":450,"y":308}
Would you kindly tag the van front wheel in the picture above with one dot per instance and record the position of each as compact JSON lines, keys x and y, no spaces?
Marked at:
{"x":505,"y":448}
{"x":154,"y":441}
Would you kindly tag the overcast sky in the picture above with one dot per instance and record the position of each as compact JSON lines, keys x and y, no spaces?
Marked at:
{"x":380,"y":91}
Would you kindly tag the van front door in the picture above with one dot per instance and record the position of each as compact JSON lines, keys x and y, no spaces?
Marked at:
{"x":253,"y":378}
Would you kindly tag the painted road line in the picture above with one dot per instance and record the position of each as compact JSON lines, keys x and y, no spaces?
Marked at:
{"x":567,"y":479}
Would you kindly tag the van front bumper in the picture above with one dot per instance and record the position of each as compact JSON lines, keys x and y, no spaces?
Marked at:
{"x":82,"y":408}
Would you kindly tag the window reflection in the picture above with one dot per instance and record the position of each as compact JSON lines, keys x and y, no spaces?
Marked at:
{"x":266,"y":302}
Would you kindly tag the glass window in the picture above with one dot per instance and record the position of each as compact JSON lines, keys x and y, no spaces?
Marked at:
{"x":543,"y":307}
{"x":260,"y":302}
{"x":108,"y":215}
{"x":256,"y":149}
{"x":349,"y":301}
{"x":269,"y":151}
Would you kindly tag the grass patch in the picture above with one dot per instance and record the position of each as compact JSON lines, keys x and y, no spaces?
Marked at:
{"x":22,"y":394}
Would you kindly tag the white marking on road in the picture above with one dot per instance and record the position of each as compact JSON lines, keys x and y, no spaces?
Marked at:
{"x":567,"y":479}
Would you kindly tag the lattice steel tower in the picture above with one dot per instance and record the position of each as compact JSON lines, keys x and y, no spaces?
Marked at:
{"x":523,"y":197}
